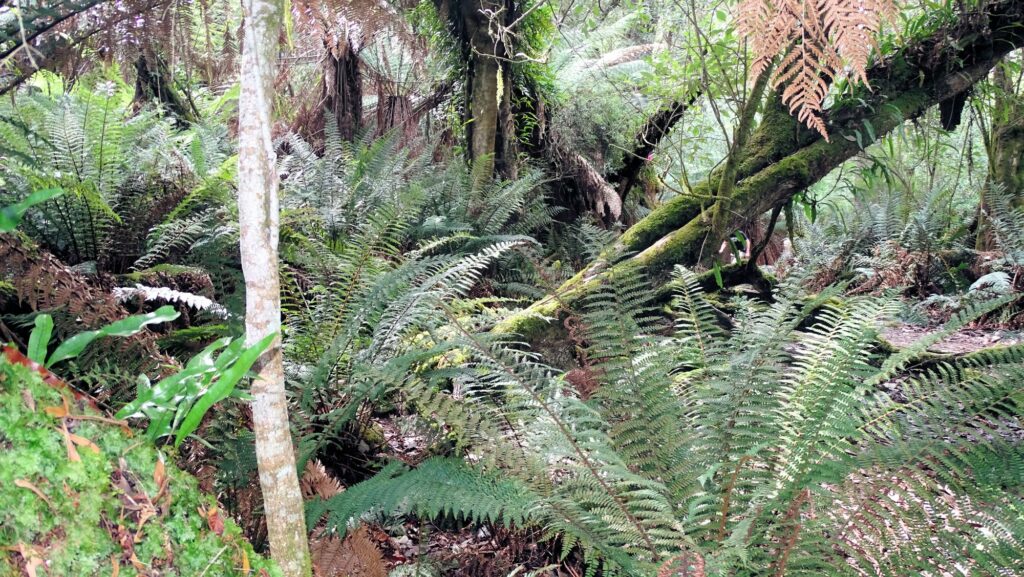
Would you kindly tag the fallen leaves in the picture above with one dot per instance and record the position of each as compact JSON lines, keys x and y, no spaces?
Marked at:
{"x":33,"y":559}
{"x":26,"y":484}
{"x":137,"y":509}
{"x":71,"y":441}
{"x":213,"y":519}
{"x":73,"y":455}
{"x":59,"y":412}
{"x":64,"y":412}
{"x":30,"y":401}
{"x":16,"y":357}
{"x":83,"y":442}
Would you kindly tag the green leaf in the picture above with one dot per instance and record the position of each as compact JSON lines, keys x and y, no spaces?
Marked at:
{"x":123,"y":328}
{"x":226,"y":383}
{"x":39,"y":338}
{"x":870,"y":128}
{"x":165,"y":390}
{"x":229,"y":95}
{"x":718,"y":275}
{"x":10,"y":216}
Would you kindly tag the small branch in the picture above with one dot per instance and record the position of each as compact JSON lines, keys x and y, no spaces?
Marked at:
{"x":646,"y":142}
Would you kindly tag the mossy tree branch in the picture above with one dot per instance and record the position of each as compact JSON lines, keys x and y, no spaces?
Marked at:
{"x":783,"y":159}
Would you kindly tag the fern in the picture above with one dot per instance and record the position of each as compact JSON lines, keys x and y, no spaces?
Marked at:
{"x":436,"y":488}
{"x":816,"y":40}
{"x":122,"y":172}
{"x":768,"y":448}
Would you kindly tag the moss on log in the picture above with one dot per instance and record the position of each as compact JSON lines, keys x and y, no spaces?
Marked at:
{"x":781,"y":161}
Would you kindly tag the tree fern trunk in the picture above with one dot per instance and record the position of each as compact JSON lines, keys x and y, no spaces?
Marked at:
{"x":258,"y":224}
{"x":343,"y":89}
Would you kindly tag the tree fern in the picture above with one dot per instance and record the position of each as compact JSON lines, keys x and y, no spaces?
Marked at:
{"x":122,"y":172}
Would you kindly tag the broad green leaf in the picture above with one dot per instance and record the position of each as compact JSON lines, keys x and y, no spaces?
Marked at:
{"x":165,"y":390}
{"x":10,"y":216}
{"x":226,"y":383}
{"x":123,"y":328}
{"x":39,"y":338}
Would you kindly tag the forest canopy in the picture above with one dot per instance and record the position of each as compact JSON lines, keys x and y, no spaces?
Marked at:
{"x":501,"y":288}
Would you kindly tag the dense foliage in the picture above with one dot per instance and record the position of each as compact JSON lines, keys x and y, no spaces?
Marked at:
{"x":566,"y":288}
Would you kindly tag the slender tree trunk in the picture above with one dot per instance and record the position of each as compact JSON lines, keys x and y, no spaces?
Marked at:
{"x":258,"y":224}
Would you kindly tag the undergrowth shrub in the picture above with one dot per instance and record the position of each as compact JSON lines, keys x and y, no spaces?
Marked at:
{"x":790,"y":444}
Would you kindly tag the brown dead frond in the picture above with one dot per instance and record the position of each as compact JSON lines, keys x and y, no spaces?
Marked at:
{"x":819,"y":40}
{"x":355,"y":556}
{"x":686,"y":564}
{"x":317,"y":482}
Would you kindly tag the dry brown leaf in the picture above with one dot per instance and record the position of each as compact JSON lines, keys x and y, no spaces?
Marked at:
{"x":30,"y":401}
{"x":145,"y":514}
{"x":160,"y":473}
{"x":139,"y":565}
{"x":115,"y":569}
{"x":61,"y":411}
{"x":32,"y":559}
{"x":83,"y":442}
{"x":73,"y":455}
{"x":213,"y":519}
{"x":26,"y":484}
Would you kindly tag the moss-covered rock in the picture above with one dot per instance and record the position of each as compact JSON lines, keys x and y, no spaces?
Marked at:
{"x":79,"y":495}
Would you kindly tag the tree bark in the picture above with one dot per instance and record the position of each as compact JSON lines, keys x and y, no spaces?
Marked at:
{"x":782,"y":158}
{"x":483,"y":98}
{"x":343,"y":88}
{"x":258,"y":225}
{"x":647,"y":140}
{"x":488,"y":115}
{"x":154,"y":81}
{"x":1005,"y":148}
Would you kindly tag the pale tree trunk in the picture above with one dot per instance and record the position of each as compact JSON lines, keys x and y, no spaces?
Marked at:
{"x":258,"y":224}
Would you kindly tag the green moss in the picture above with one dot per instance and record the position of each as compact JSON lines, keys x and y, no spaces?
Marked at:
{"x":682,"y":246}
{"x":73,"y":529}
{"x":531,"y":321}
{"x":668,"y":217}
{"x":165,"y":269}
{"x":373,"y":434}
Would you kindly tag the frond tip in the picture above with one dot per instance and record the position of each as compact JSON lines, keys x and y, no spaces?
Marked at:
{"x":819,"y":40}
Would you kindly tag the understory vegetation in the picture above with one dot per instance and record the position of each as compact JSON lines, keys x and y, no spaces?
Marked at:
{"x":563,"y":288}
{"x":81,"y":496}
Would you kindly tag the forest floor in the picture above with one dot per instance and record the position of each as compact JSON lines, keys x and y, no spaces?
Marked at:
{"x":961,"y":342}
